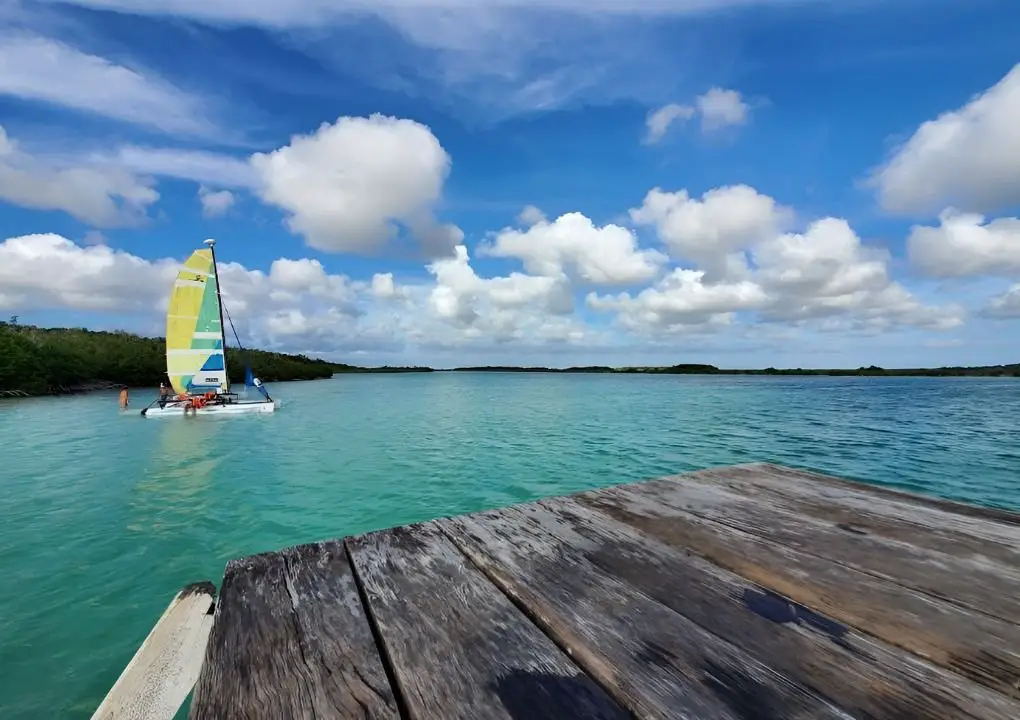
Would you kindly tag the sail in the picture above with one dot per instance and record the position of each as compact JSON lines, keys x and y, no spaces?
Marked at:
{"x":195,"y":360}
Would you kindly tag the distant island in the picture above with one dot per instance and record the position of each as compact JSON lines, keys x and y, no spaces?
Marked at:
{"x":50,"y":361}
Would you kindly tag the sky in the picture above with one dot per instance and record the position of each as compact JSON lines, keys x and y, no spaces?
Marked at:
{"x":746,"y":183}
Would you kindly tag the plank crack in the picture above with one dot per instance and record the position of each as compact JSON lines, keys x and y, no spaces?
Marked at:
{"x":373,"y":625}
{"x":580,"y":656}
{"x":301,"y":640}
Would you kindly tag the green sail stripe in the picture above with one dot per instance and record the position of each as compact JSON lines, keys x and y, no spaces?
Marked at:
{"x":209,"y":314}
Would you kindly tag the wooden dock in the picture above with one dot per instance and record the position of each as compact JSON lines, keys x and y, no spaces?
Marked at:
{"x":752,"y":591}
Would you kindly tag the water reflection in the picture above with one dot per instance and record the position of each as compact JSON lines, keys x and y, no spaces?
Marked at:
{"x":173,"y":489}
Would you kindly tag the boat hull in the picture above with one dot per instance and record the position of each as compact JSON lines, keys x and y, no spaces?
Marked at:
{"x":177,"y":409}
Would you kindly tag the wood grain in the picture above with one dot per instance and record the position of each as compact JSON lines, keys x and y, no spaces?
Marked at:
{"x":976,"y":646}
{"x":950,"y":527}
{"x":958,"y":576}
{"x":162,"y":672}
{"x":865,"y":677}
{"x":654,"y":661}
{"x":458,"y":647}
{"x":291,"y":640}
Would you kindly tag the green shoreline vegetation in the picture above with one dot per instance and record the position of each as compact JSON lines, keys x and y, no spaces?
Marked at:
{"x":54,"y":361}
{"x":50,"y":361}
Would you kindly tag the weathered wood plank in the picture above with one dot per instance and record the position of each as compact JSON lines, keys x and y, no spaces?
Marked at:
{"x":291,"y":640}
{"x":977,"y":646}
{"x":458,"y":647}
{"x":926,"y":522}
{"x":974,"y":581}
{"x":954,"y":507}
{"x":162,"y":672}
{"x":865,"y":677}
{"x":654,"y":661}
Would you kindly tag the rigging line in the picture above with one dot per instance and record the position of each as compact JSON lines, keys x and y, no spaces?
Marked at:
{"x":233,"y":329}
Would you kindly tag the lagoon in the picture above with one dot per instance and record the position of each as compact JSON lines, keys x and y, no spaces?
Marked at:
{"x":107,"y":514}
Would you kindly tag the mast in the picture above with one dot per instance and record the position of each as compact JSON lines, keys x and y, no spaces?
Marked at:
{"x":219,"y":302}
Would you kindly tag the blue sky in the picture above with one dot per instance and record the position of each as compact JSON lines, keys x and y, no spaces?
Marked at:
{"x":861,"y":162}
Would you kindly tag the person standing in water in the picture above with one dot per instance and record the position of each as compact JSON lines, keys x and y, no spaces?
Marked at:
{"x":123,"y":399}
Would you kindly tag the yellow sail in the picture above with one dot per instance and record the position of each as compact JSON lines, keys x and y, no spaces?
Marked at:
{"x":195,"y":361}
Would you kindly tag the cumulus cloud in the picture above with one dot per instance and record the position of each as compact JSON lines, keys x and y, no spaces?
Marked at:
{"x":351,"y":185}
{"x":967,"y":158}
{"x":45,"y":70}
{"x":99,"y":195}
{"x":47,"y":271}
{"x":572,"y":245}
{"x":718,"y":108}
{"x":681,"y":300}
{"x":821,"y":278}
{"x":715,"y":230}
{"x":823,"y":274}
{"x":721,"y":108}
{"x":296,"y":304}
{"x":659,"y":121}
{"x":1006,"y":305}
{"x":530,"y":215}
{"x":827,"y":271}
{"x":215,"y":203}
{"x":964,"y":244}
{"x":466,"y":299}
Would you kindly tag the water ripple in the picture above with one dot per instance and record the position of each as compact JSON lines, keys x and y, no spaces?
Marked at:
{"x":106,"y":514}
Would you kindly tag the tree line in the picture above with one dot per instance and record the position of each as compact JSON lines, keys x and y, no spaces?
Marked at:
{"x":41,"y":361}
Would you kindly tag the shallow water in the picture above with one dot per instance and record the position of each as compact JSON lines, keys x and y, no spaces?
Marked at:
{"x":106,"y":514}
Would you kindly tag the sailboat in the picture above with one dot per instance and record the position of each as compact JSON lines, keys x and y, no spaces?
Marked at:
{"x":196,"y":348}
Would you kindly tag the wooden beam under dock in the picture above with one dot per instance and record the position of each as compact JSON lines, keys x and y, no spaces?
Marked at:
{"x":163,"y":671}
{"x":747,"y":591}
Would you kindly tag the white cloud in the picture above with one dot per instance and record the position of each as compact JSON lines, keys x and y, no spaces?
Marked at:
{"x":823,"y":279}
{"x":466,"y":299}
{"x":573,"y":246}
{"x":964,"y":244}
{"x":681,"y":300}
{"x":827,"y":271}
{"x":348,"y":185}
{"x":215,"y":203}
{"x":713,"y":231}
{"x":316,"y":12}
{"x":968,"y":158}
{"x":45,"y":70}
{"x":47,"y":271}
{"x":494,"y":58}
{"x":298,"y":305}
{"x":1006,"y":305}
{"x":721,"y":108}
{"x":718,"y":108}
{"x":659,"y":121}
{"x":530,"y":215}
{"x":196,"y":165}
{"x":101,"y":196}
{"x":825,"y":276}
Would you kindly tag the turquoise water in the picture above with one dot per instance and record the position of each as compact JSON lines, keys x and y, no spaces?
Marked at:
{"x":106,"y":515}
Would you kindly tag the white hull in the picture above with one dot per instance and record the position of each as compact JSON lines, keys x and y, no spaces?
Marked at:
{"x":177,"y":409}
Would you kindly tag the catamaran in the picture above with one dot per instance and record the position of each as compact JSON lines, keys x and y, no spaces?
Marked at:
{"x":196,"y":359}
